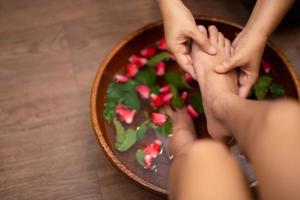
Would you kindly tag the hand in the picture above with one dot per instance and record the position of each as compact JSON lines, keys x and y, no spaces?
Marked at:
{"x":180,"y":27}
{"x":247,"y":50}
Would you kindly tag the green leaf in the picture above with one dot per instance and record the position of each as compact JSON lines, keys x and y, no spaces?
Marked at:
{"x":277,"y":90}
{"x":146,"y":76}
{"x":196,"y":102}
{"x":109,"y":111}
{"x":131,"y":100}
{"x":117,"y":92}
{"x":165,"y":129}
{"x":120,"y":132}
{"x":163,"y":56}
{"x":176,"y":80}
{"x":261,"y":87}
{"x":129,"y":141}
{"x":140,"y":155}
{"x":176,"y":100}
{"x":154,"y":89}
{"x":141,"y":131}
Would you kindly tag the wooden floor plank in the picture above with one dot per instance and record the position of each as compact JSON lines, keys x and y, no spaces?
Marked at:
{"x":49,"y":53}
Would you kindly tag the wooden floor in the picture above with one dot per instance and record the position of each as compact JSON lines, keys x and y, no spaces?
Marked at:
{"x":49,"y":53}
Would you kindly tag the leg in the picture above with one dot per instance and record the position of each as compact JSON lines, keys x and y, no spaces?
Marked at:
{"x":268,"y":132}
{"x":195,"y":172}
{"x":206,"y":170}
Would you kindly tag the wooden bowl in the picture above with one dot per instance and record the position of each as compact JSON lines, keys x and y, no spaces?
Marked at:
{"x":284,"y":73}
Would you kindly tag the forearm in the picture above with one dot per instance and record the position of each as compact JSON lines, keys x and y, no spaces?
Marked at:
{"x":165,"y":6}
{"x":269,"y":134}
{"x":266,"y":15}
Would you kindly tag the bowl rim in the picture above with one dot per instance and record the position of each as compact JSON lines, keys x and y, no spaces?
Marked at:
{"x":94,"y":93}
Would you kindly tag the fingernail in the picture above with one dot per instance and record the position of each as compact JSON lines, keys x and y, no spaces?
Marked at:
{"x":212,"y":50}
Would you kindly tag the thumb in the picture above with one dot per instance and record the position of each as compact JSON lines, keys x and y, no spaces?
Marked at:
{"x":228,"y":64}
{"x":246,"y":82}
{"x":200,"y":37}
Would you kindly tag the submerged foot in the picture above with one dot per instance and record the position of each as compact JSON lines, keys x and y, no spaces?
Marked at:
{"x":183,"y":130}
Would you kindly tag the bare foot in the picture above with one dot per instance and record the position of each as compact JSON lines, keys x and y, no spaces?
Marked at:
{"x":214,"y":86}
{"x":183,"y":130}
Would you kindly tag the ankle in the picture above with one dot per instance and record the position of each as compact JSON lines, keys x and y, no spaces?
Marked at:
{"x":219,"y":106}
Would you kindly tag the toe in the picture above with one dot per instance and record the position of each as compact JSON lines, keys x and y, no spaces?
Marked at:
{"x":221,"y":40}
{"x":227,"y":46}
{"x":167,"y":110}
{"x":203,"y":30}
{"x":213,"y":35}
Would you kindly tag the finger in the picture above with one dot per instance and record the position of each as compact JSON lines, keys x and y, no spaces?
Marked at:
{"x":213,"y":35}
{"x":245,"y":81}
{"x":200,"y":37}
{"x":228,"y":64}
{"x":203,"y":30}
{"x":227,"y":47}
{"x":244,"y":90}
{"x":184,"y":62}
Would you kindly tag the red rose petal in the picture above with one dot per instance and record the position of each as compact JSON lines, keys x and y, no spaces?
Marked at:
{"x":166,"y":98}
{"x":138,"y":61}
{"x":162,"y":44}
{"x":125,"y":114}
{"x":160,"y":69}
{"x":158,"y":118}
{"x":121,"y":78}
{"x":156,"y":145}
{"x":149,"y":150}
{"x":188,"y":78}
{"x":266,"y":67}
{"x":184,"y":95}
{"x":148,"y":161}
{"x":164,"y":89}
{"x":192,"y":112}
{"x":155,"y":100}
{"x":131,"y":70}
{"x":143,"y":90}
{"x":148,"y":52}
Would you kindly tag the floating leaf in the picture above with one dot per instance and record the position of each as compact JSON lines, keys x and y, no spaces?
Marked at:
{"x":165,"y":129}
{"x":154,"y":89}
{"x":124,"y":93}
{"x":146,"y":76}
{"x":261,"y":87}
{"x":120,"y":132}
{"x":109,"y":111}
{"x":141,"y":131}
{"x":176,"y":80}
{"x":140,"y":157}
{"x":163,"y":56}
{"x":196,"y":102}
{"x":277,"y":90}
{"x":131,"y":100}
{"x":176,"y":100}
{"x":129,"y":141}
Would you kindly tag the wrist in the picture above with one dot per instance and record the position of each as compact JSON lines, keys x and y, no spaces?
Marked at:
{"x":259,"y":34}
{"x":166,"y":4}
